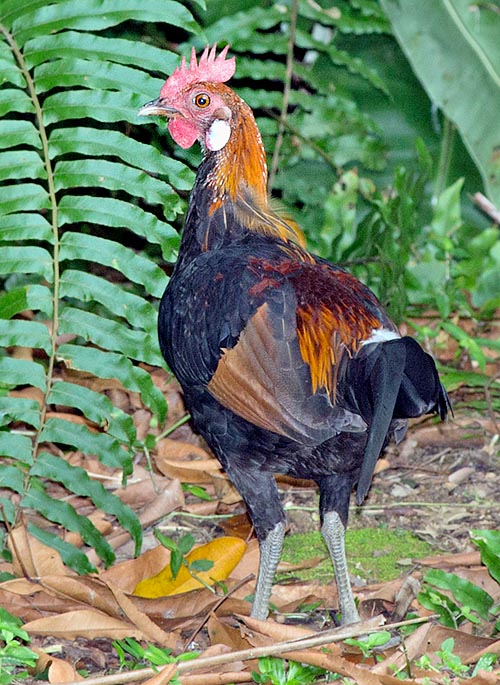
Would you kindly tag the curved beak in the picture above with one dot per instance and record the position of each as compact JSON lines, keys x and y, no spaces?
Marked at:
{"x":156,"y":108}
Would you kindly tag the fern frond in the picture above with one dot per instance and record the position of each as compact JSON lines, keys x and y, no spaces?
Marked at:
{"x":79,"y":191}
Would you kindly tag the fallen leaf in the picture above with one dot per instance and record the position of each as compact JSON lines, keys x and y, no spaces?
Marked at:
{"x":225,"y":552}
{"x":88,"y":623}
{"x":58,"y":670}
{"x":196,"y":471}
{"x":31,"y":557}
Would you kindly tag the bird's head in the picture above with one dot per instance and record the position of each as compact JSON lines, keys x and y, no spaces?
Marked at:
{"x":197,"y":103}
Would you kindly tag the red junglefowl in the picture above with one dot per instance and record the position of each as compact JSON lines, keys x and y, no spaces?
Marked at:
{"x":288,"y":364}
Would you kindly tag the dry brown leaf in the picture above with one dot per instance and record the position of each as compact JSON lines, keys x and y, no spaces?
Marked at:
{"x":287,"y":567}
{"x":149,"y":629}
{"x":88,"y":623}
{"x":221,"y":633}
{"x":225,"y":491}
{"x":175,"y":450}
{"x":58,"y":670}
{"x":86,"y":590}
{"x":32,"y":557}
{"x":127,"y":574}
{"x":196,"y":471}
{"x":249,"y":563}
{"x":279,"y":632}
{"x":452,"y":560}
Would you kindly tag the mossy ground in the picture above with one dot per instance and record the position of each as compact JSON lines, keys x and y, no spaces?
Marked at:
{"x":375,"y":554}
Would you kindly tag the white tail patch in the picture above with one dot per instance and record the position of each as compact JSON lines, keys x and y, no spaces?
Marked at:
{"x":217,"y":135}
{"x":381,"y":335}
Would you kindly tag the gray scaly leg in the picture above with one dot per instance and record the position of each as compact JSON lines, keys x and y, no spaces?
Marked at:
{"x":270,"y":552}
{"x":333,"y":533}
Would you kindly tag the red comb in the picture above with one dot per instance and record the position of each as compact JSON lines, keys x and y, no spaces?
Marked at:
{"x":209,"y":68}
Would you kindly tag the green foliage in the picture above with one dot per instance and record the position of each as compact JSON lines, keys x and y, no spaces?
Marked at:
{"x":90,"y":205}
{"x":14,"y":655}
{"x":280,"y":672}
{"x":83,"y":196}
{"x":450,"y":67}
{"x":463,"y":600}
{"x":133,"y":655}
{"x":368,"y":643}
{"x":178,"y":552}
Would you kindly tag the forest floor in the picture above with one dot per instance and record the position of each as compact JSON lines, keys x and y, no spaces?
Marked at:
{"x":440,"y":484}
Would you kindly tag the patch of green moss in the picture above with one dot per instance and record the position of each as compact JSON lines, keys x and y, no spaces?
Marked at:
{"x":375,"y":554}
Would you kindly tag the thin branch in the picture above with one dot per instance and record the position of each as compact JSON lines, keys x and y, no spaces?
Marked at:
{"x":239,"y":584}
{"x":487,"y":207}
{"x":286,"y":94}
{"x":280,"y":648}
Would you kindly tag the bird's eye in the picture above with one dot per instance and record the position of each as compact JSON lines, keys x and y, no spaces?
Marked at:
{"x":202,"y":100}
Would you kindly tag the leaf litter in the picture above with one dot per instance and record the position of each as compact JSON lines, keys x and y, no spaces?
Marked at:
{"x":440,"y":483}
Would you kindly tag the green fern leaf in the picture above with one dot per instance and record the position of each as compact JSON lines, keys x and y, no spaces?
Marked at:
{"x":71,"y":555}
{"x":62,"y":512}
{"x":77,"y":481}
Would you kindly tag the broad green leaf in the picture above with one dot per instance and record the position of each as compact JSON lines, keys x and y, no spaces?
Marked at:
{"x":72,"y":556}
{"x":21,"y":164}
{"x":111,"y":365}
{"x":25,"y":334}
{"x":15,"y":100}
{"x":94,"y":406}
{"x":92,"y":73}
{"x":11,"y":477}
{"x":465,"y":592}
{"x":98,"y":15}
{"x":105,"y":447}
{"x":17,"y":446}
{"x":453,"y":49}
{"x":488,"y":542}
{"x":101,"y":105}
{"x":27,"y":297}
{"x":19,"y":409}
{"x":102,"y":142}
{"x":14,"y":372}
{"x":15,"y":132}
{"x":10,"y":73}
{"x":25,"y":226}
{"x":101,"y":173}
{"x":135,"y":267}
{"x":108,"y":211}
{"x":110,"y":335}
{"x":120,"y":302}
{"x":86,"y":46}
{"x":63,"y":513}
{"x":76,"y":480}
{"x":9,"y":9}
{"x":26,"y":259}
{"x":23,"y":197}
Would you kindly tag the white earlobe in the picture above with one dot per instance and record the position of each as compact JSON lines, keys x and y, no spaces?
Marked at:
{"x":217,"y":135}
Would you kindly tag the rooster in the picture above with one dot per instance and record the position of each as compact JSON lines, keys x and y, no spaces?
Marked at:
{"x":288,"y":364}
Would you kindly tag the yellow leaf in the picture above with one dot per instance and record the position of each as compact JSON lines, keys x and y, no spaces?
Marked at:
{"x":225,"y":552}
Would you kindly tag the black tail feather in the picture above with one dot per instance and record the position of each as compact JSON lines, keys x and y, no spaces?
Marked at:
{"x":393,"y":380}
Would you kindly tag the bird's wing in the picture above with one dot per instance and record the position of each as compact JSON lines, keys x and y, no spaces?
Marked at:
{"x":281,"y":373}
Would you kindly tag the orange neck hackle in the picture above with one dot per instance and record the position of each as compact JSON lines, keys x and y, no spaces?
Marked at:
{"x":238,"y":175}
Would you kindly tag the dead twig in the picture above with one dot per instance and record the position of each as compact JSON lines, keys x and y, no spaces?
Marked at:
{"x":280,"y":648}
{"x":487,"y":207}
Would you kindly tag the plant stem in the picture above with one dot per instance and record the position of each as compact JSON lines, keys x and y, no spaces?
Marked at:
{"x":55,"y":230}
{"x":168,"y":431}
{"x":286,"y":94}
